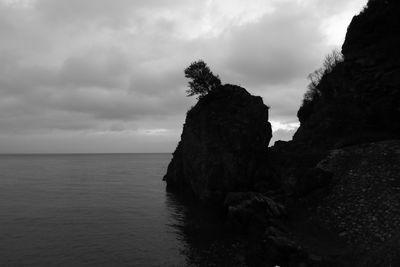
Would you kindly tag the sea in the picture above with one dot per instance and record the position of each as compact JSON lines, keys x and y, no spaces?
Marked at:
{"x":103,"y":210}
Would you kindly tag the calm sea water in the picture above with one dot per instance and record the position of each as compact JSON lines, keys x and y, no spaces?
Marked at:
{"x":101,"y":210}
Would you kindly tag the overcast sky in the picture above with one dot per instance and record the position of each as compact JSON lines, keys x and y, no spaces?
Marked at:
{"x":107,"y":75}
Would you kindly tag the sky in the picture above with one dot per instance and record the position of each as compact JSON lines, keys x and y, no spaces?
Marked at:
{"x":106,"y":76}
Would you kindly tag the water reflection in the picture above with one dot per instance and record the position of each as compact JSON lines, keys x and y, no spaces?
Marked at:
{"x":206,"y":241}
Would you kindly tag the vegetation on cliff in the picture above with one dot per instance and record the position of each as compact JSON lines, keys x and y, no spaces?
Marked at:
{"x":202,"y":81}
{"x":315,"y":89}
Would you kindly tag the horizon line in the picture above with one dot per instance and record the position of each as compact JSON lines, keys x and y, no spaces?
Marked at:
{"x":79,"y":153}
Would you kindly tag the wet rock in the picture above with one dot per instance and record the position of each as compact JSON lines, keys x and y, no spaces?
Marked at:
{"x":280,"y":240}
{"x":252,"y":211}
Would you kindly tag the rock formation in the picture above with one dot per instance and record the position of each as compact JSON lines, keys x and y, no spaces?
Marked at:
{"x":223,"y":146}
{"x":335,"y":198}
{"x":340,"y":172}
{"x":360,"y":97}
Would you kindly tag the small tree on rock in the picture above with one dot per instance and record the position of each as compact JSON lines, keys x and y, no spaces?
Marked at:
{"x":202,"y":79}
{"x":315,"y":91}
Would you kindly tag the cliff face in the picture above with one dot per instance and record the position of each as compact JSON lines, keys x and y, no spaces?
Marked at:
{"x":358,"y":101}
{"x":223,"y":146}
{"x":342,"y":165}
{"x":360,"y":98}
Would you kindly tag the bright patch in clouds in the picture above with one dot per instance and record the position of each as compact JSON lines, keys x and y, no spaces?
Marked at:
{"x":107,"y":76}
{"x":276,"y":125}
{"x":153,"y":131}
{"x":19,"y":3}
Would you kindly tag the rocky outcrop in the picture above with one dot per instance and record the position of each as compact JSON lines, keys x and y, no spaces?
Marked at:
{"x":341,"y":171}
{"x":223,"y":146}
{"x":359,"y":99}
{"x":251,"y":212}
{"x":336,"y":185}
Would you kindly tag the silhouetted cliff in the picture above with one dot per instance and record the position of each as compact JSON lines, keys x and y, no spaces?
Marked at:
{"x":334,"y":198}
{"x":357,"y":102}
{"x":359,"y":99}
{"x":223,"y":146}
{"x":340,"y":172}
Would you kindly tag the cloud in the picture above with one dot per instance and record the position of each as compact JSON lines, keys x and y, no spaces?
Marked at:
{"x":98,"y":67}
{"x":277,"y":48}
{"x":283,"y":131}
{"x":104,"y":13}
{"x":282,"y":135}
{"x":75,"y":67}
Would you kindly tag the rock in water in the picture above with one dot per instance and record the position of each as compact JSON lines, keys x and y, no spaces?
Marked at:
{"x":223,"y":146}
